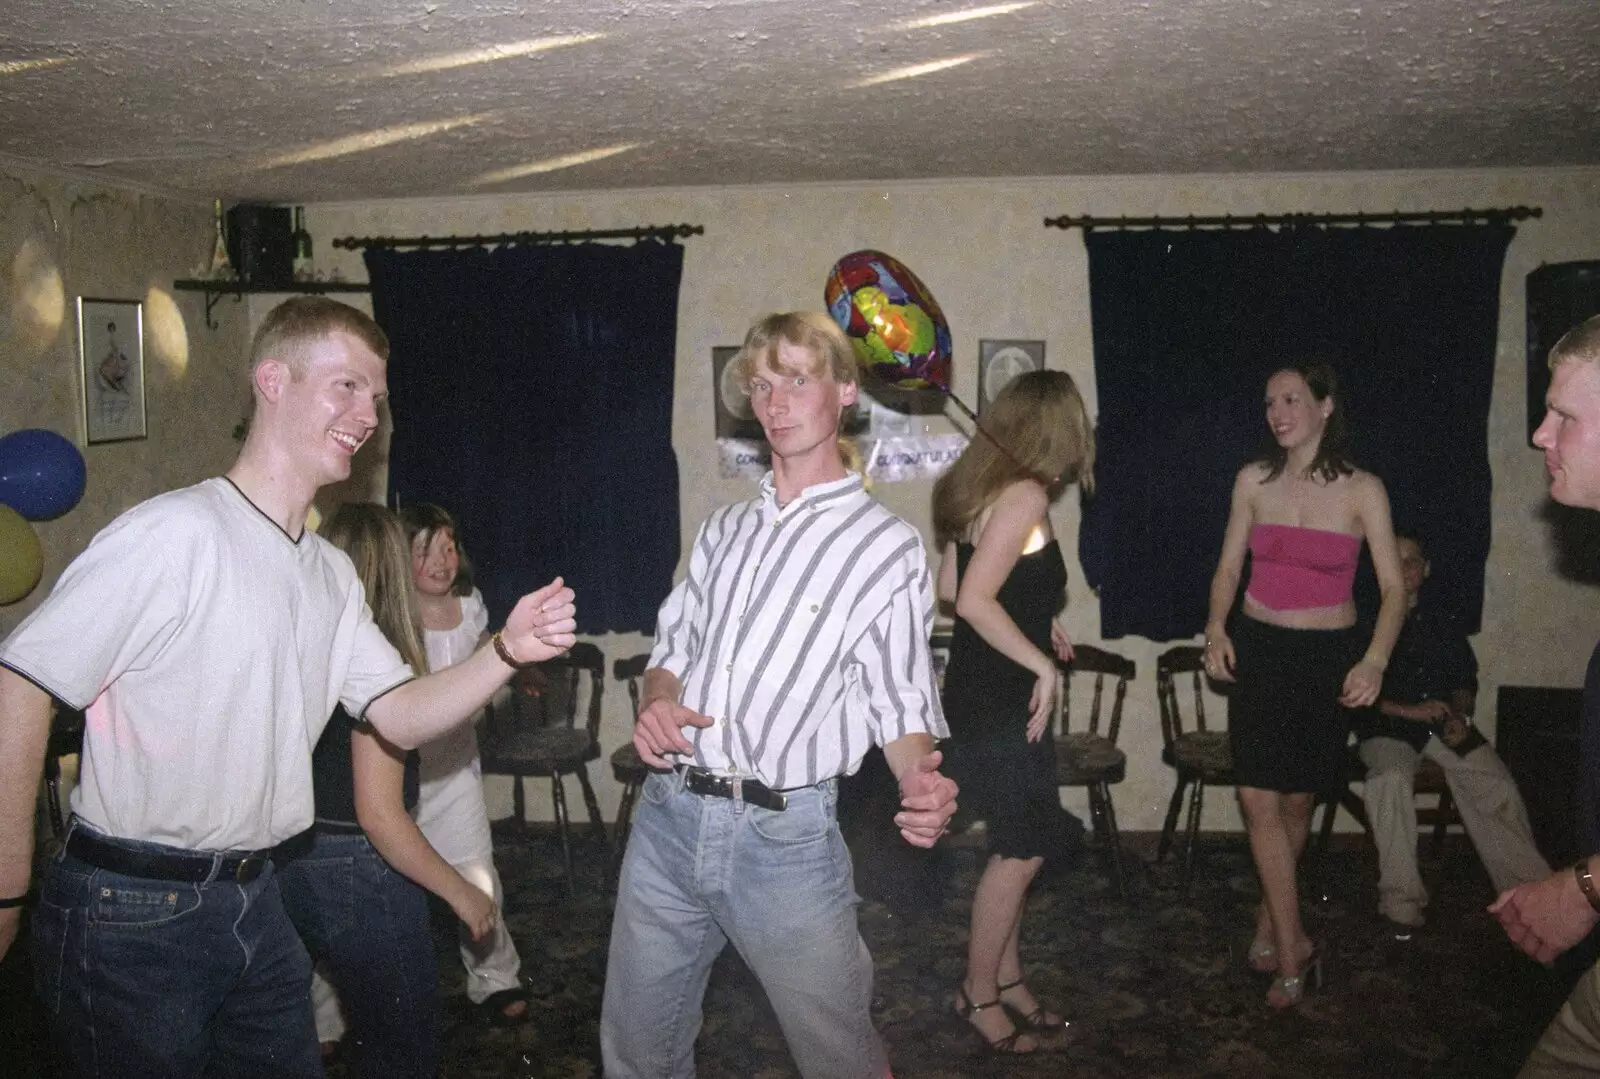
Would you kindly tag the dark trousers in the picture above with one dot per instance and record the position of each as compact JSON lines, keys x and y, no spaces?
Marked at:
{"x":148,"y":978}
{"x":370,"y":925}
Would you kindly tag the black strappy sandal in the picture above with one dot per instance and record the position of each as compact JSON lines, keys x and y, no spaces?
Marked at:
{"x":1038,"y":1020}
{"x":1007,"y":1045}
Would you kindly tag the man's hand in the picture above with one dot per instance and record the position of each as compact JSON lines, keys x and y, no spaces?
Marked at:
{"x":1547,"y":917}
{"x":927,"y":801}
{"x":542,"y":624}
{"x":659,"y":730}
{"x":1430,"y":711}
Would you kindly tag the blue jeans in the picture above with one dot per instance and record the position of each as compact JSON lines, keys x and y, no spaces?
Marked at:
{"x":166,"y":980}
{"x":371,"y":925}
{"x":701,"y":871}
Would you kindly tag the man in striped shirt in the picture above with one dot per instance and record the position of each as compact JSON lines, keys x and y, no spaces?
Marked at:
{"x":797,"y":641}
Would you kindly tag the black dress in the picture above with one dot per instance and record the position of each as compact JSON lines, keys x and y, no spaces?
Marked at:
{"x":1006,"y":780}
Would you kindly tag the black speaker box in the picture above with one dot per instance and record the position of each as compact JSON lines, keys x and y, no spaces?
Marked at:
{"x":261,"y":244}
{"x":1560,"y":295}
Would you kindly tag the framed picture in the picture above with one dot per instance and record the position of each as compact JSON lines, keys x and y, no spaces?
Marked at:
{"x":1001,"y":361}
{"x":735,"y":418}
{"x":111,"y":361}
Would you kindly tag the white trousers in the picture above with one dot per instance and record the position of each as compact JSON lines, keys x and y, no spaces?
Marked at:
{"x":492,"y":963}
{"x":1490,"y":807}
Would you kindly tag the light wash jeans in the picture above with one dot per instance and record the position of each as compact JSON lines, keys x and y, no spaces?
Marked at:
{"x":701,"y":871}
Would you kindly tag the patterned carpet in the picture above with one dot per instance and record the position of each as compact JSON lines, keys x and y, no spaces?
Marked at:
{"x":1155,"y":986}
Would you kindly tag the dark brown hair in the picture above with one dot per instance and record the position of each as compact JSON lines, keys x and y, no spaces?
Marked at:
{"x":1333,"y":451}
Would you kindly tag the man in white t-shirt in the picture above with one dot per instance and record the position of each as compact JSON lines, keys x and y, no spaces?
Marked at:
{"x":208,"y":635}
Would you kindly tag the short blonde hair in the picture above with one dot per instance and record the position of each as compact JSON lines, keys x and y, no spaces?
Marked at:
{"x":302,"y":319}
{"x":1581,"y":343}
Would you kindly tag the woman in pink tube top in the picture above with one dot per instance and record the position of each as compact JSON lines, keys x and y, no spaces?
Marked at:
{"x":1301,"y":510}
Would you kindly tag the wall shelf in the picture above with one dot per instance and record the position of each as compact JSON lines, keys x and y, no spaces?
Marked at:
{"x":216,"y":289}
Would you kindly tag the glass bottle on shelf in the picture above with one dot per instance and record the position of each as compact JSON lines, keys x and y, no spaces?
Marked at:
{"x":221,"y":265}
{"x":303,"y":269}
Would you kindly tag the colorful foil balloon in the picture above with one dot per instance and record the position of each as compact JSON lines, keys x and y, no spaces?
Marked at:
{"x":895,"y":324}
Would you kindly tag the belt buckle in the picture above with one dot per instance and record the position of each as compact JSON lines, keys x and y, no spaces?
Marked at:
{"x":250,"y":867}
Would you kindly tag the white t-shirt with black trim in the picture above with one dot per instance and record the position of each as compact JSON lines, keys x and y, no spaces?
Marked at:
{"x":208,"y":649}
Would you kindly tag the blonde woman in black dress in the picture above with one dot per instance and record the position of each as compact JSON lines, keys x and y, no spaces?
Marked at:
{"x":1004,"y":571}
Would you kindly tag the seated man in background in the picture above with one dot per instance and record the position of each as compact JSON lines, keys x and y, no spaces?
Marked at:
{"x":1426,"y":708}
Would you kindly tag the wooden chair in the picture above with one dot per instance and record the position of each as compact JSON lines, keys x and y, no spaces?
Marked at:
{"x":1086,"y":758}
{"x":537,"y":734}
{"x":66,"y":738}
{"x":626,"y":764}
{"x":1198,"y":755}
{"x":1429,"y":780}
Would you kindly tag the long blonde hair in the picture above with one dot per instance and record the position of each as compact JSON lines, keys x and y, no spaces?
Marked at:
{"x":371,"y":535}
{"x":1040,"y":421}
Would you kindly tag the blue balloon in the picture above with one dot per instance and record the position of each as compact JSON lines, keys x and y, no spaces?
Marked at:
{"x":41,"y":474}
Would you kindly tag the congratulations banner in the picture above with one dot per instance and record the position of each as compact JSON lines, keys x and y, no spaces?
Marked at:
{"x":889,"y":460}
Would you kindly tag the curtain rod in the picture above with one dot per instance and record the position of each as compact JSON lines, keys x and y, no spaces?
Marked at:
{"x":1243,"y":221}
{"x":641,"y":232}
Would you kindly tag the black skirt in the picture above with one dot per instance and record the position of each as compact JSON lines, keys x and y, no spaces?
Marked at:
{"x":1286,"y":726}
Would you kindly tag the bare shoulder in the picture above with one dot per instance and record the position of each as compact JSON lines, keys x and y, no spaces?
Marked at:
{"x":1364,"y":486}
{"x":1025,"y":496}
{"x":1250,"y":479}
{"x":1016,"y":510}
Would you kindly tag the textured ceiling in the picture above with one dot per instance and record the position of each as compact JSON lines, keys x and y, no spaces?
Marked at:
{"x":313,"y":100}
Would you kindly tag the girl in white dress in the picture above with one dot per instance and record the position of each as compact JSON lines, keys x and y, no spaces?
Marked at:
{"x":451,"y":811}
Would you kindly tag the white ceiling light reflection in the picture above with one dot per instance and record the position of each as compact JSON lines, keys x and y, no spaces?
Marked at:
{"x":17,"y":67}
{"x":506,"y":51}
{"x":164,"y":327}
{"x":553,"y":164}
{"x":915,"y":71}
{"x":38,"y":299}
{"x":369,"y":140}
{"x":951,"y":17}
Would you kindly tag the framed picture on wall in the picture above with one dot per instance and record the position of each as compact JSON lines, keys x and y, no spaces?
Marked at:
{"x":735,"y":418}
{"x":1001,"y":361}
{"x":111,"y":361}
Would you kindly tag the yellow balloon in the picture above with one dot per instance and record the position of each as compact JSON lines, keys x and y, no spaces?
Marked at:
{"x":21,"y":560}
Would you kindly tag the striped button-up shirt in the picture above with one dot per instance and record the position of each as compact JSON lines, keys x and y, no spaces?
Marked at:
{"x":802,"y":631}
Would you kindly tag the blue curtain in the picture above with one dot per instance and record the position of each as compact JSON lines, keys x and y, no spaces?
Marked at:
{"x":531,"y":389}
{"x":1187,"y":327}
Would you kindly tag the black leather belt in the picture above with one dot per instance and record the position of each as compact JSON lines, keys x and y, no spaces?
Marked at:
{"x":716,"y":785}
{"x":335,"y":827}
{"x":192,"y":868}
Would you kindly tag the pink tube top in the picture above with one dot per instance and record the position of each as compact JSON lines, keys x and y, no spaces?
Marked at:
{"x":1294,"y":568}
